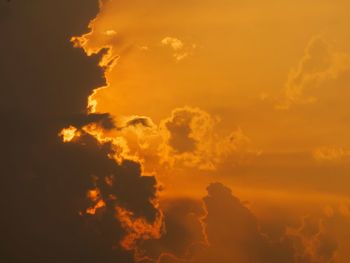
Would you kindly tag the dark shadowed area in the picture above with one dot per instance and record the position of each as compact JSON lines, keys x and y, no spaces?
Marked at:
{"x":45,"y":83}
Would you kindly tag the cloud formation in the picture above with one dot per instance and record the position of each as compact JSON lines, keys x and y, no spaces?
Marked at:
{"x":60,"y":199}
{"x":232,"y":233}
{"x":319,"y":64}
{"x":180,"y":50}
{"x":72,"y":186}
{"x":191,"y":138}
{"x":312,"y":242}
{"x":330,"y":153}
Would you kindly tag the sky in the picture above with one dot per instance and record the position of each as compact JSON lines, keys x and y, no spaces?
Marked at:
{"x":276,"y":71}
{"x":175,"y":131}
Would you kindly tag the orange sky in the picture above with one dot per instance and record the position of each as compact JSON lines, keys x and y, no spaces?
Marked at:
{"x":172,"y":131}
{"x":247,"y":93}
{"x":276,"y":72}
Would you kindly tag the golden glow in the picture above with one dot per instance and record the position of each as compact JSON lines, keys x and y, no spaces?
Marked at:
{"x":68,"y":134}
{"x":251,"y":94}
{"x":138,"y":228}
{"x":268,"y":95}
{"x":95,"y":196}
{"x":92,"y":210}
{"x":119,"y":145}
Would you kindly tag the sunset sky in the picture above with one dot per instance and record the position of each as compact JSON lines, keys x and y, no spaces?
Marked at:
{"x":166,"y":131}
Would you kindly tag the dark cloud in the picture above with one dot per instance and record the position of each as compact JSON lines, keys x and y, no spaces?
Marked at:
{"x":142,"y":121}
{"x":233,"y":232}
{"x":45,"y":83}
{"x":183,"y":229}
{"x":104,"y":120}
{"x":180,"y":131}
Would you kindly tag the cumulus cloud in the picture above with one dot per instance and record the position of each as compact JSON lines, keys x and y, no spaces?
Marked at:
{"x":190,"y":137}
{"x":319,"y":64}
{"x":232,"y":233}
{"x":61,"y":199}
{"x":183,"y":230}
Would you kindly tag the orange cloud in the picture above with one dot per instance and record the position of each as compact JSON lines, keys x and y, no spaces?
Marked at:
{"x":191,"y":138}
{"x":330,"y":153}
{"x":138,"y":229}
{"x":319,"y":64}
{"x":181,"y":51}
{"x":68,"y":134}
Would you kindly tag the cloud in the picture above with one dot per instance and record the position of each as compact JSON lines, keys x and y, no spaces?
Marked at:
{"x":142,"y":121}
{"x":75,"y":201}
{"x":50,"y":213}
{"x":183,"y":230}
{"x":104,"y":120}
{"x":330,"y":153}
{"x":174,"y":43}
{"x":232,"y":233}
{"x":110,"y":32}
{"x":181,"y":51}
{"x":190,"y":138}
{"x":319,"y":64}
{"x":312,"y":242}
